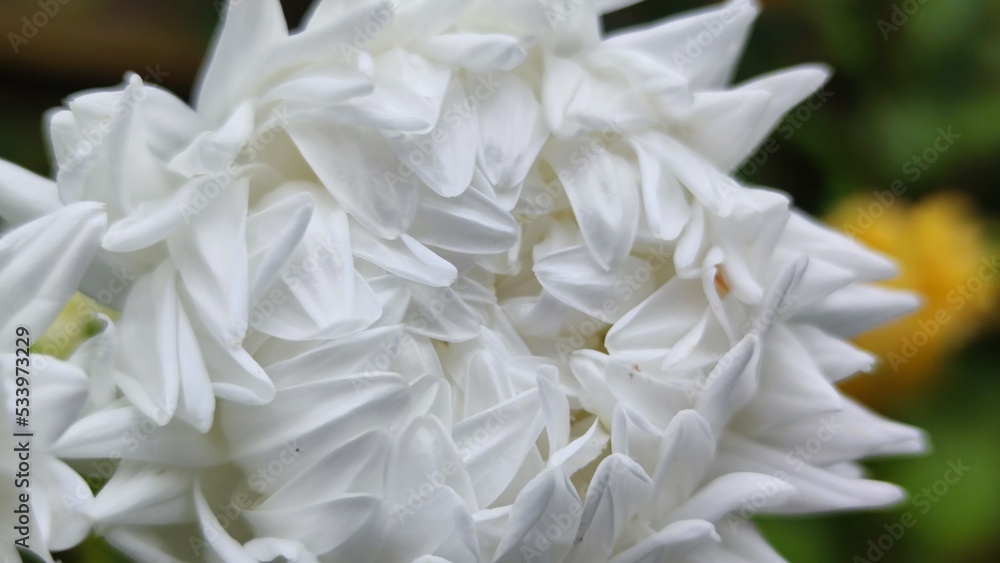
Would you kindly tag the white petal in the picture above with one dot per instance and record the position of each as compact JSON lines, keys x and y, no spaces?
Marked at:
{"x":667,"y":209}
{"x":427,"y":456}
{"x":617,"y":492}
{"x":791,"y":385}
{"x":338,"y":528}
{"x":220,"y":543}
{"x":835,"y":357}
{"x":858,"y":308}
{"x":603,"y":191}
{"x":786,"y":89}
{"x":146,"y":494}
{"x":470,"y":223}
{"x":582,"y":451}
{"x":686,"y":450}
{"x":817,"y":489}
{"x":730,"y":384}
{"x":362,"y":172}
{"x":711,"y":187}
{"x":573,"y":277}
{"x":670,"y":543}
{"x":547,"y":505}
{"x":42,"y":263}
{"x":513,"y":131}
{"x":319,"y":293}
{"x":725,"y":126}
{"x":730,"y":492}
{"x":269,"y":549}
{"x":555,"y":409}
{"x":70,"y":502}
{"x":151,"y":373}
{"x":816,"y":240}
{"x":216,"y":150}
{"x":707,"y":66}
{"x":443,"y":158}
{"x":153,"y":221}
{"x":323,"y":86}
{"x":211,"y":258}
{"x":25,"y":196}
{"x":482,"y":53}
{"x":248,"y":30}
{"x":59,"y":388}
{"x":272,"y":234}
{"x":122,"y":431}
{"x":662,"y":320}
{"x":441,"y":526}
{"x":511,"y":429}
{"x":406,"y":257}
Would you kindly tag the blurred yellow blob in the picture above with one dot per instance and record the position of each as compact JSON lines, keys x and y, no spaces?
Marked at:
{"x":75,"y":323}
{"x":943,"y":255}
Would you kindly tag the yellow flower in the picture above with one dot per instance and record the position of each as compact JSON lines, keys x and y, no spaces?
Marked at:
{"x":943,"y":255}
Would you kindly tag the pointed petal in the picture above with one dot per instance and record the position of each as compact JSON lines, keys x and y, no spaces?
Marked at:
{"x":25,"y":196}
{"x":572,"y":276}
{"x":670,"y":543}
{"x":616,"y":493}
{"x":272,"y":235}
{"x":470,"y":223}
{"x":604,"y":194}
{"x":42,"y":263}
{"x":359,"y":168}
{"x":511,"y":429}
{"x":249,"y":29}
{"x":857,"y":308}
{"x":512,"y":133}
{"x":443,"y":158}
{"x":548,"y":499}
{"x":731,"y":383}
{"x":710,"y":67}
{"x":686,"y":450}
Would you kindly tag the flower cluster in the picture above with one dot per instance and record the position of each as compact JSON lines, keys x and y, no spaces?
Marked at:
{"x":440,"y":281}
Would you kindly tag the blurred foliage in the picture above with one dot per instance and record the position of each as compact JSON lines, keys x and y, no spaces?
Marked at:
{"x":942,"y":255}
{"x":896,"y":83}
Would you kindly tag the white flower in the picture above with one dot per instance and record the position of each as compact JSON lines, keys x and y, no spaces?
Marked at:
{"x":443,"y":281}
{"x":42,"y":262}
